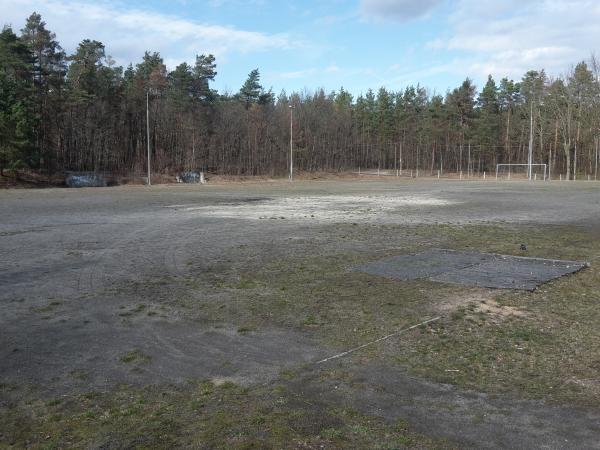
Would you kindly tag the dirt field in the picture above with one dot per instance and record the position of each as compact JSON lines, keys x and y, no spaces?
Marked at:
{"x":192,"y":316}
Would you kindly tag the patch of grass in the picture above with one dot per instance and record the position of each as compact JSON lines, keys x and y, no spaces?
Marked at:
{"x":203,"y":415}
{"x":359,"y":429}
{"x":310,"y":320}
{"x":458,"y":314}
{"x":469,"y":347}
{"x":91,"y":395}
{"x":288,"y":374}
{"x":246,"y":283}
{"x":48,"y":308}
{"x":79,"y":375}
{"x":550,"y":354}
{"x":133,"y":311}
{"x":135,"y":357}
{"x":405,"y":440}
{"x":331,"y":434}
{"x":245,"y":330}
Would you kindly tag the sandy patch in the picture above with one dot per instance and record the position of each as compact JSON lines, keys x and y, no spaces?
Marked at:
{"x":321,"y":208}
{"x":475,"y":296}
{"x":493,"y":308}
{"x":479,"y":301}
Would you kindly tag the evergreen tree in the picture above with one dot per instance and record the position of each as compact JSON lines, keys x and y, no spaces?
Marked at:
{"x":151,"y":74}
{"x":17,"y":117}
{"x":251,"y":90}
{"x":384,"y":114}
{"x":488,"y":120}
{"x":84,"y":70}
{"x":181,"y":86}
{"x":203,"y":74}
{"x":508,"y":100}
{"x":343,"y":100}
{"x":461,"y":103}
{"x":49,"y":69}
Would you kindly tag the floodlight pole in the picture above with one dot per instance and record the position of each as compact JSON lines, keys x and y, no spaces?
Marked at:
{"x":417,"y":161}
{"x":469,"y":163}
{"x":291,"y":142}
{"x":400,"y":158}
{"x":148,"y":132}
{"x":596,"y":161}
{"x":530,"y":156}
{"x":396,"y":159}
{"x":193,"y":149}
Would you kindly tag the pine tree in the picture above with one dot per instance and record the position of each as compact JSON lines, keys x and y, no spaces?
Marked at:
{"x":181,"y":86}
{"x":49,"y":58}
{"x":203,"y":74}
{"x":488,"y":120}
{"x":251,"y":90}
{"x":49,"y":70}
{"x":84,"y":77}
{"x":17,"y":113}
{"x":343,"y":100}
{"x":384,"y":114}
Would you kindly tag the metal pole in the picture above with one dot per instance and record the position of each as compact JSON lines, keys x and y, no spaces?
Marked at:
{"x":193,"y":150}
{"x":469,"y":163}
{"x":396,"y":158}
{"x":530,"y":157}
{"x":417,"y":161}
{"x":148,"y":132}
{"x":291,"y":143}
{"x":400,"y":158}
{"x":596,"y":167}
{"x":575,"y":163}
{"x":545,"y":170}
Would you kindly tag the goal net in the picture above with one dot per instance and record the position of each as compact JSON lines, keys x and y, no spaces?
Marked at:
{"x":382,"y":172}
{"x":521,"y":171}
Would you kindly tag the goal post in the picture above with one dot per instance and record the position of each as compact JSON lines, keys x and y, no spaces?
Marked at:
{"x":510,"y":166}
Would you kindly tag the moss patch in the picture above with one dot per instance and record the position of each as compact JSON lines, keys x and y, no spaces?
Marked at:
{"x":202,"y":415}
{"x":536,"y":345}
{"x":135,"y":357}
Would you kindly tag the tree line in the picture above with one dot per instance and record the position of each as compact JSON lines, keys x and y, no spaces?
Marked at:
{"x":82,"y":112}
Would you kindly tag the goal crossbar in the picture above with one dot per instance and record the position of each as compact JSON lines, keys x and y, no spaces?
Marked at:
{"x":545,"y":166}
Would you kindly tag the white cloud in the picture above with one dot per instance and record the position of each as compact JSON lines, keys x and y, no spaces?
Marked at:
{"x":298,"y":73}
{"x":128,"y":32}
{"x":512,"y":37}
{"x":397,"y":9}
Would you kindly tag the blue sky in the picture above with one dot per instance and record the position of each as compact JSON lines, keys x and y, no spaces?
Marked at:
{"x":357,"y":44}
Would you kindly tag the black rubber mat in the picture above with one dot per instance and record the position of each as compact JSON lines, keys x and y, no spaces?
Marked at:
{"x":473,"y":269}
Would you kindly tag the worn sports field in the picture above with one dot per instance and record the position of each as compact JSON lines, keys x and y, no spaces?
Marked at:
{"x":193,"y":316}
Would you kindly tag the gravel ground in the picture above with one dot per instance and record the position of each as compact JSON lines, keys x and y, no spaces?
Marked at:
{"x":89,"y":276}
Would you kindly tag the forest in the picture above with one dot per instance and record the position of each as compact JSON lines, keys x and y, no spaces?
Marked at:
{"x":82,"y":112}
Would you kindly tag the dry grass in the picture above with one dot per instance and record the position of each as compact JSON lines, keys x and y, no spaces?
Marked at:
{"x":532,"y":345}
{"x":207,"y":414}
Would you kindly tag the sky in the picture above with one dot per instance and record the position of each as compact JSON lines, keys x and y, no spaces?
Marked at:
{"x":355,"y":44}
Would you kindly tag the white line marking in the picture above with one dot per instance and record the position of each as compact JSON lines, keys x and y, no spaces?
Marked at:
{"x":340,"y":355}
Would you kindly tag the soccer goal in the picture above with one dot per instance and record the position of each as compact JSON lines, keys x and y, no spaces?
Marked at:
{"x":381,"y":172}
{"x":521,"y":171}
